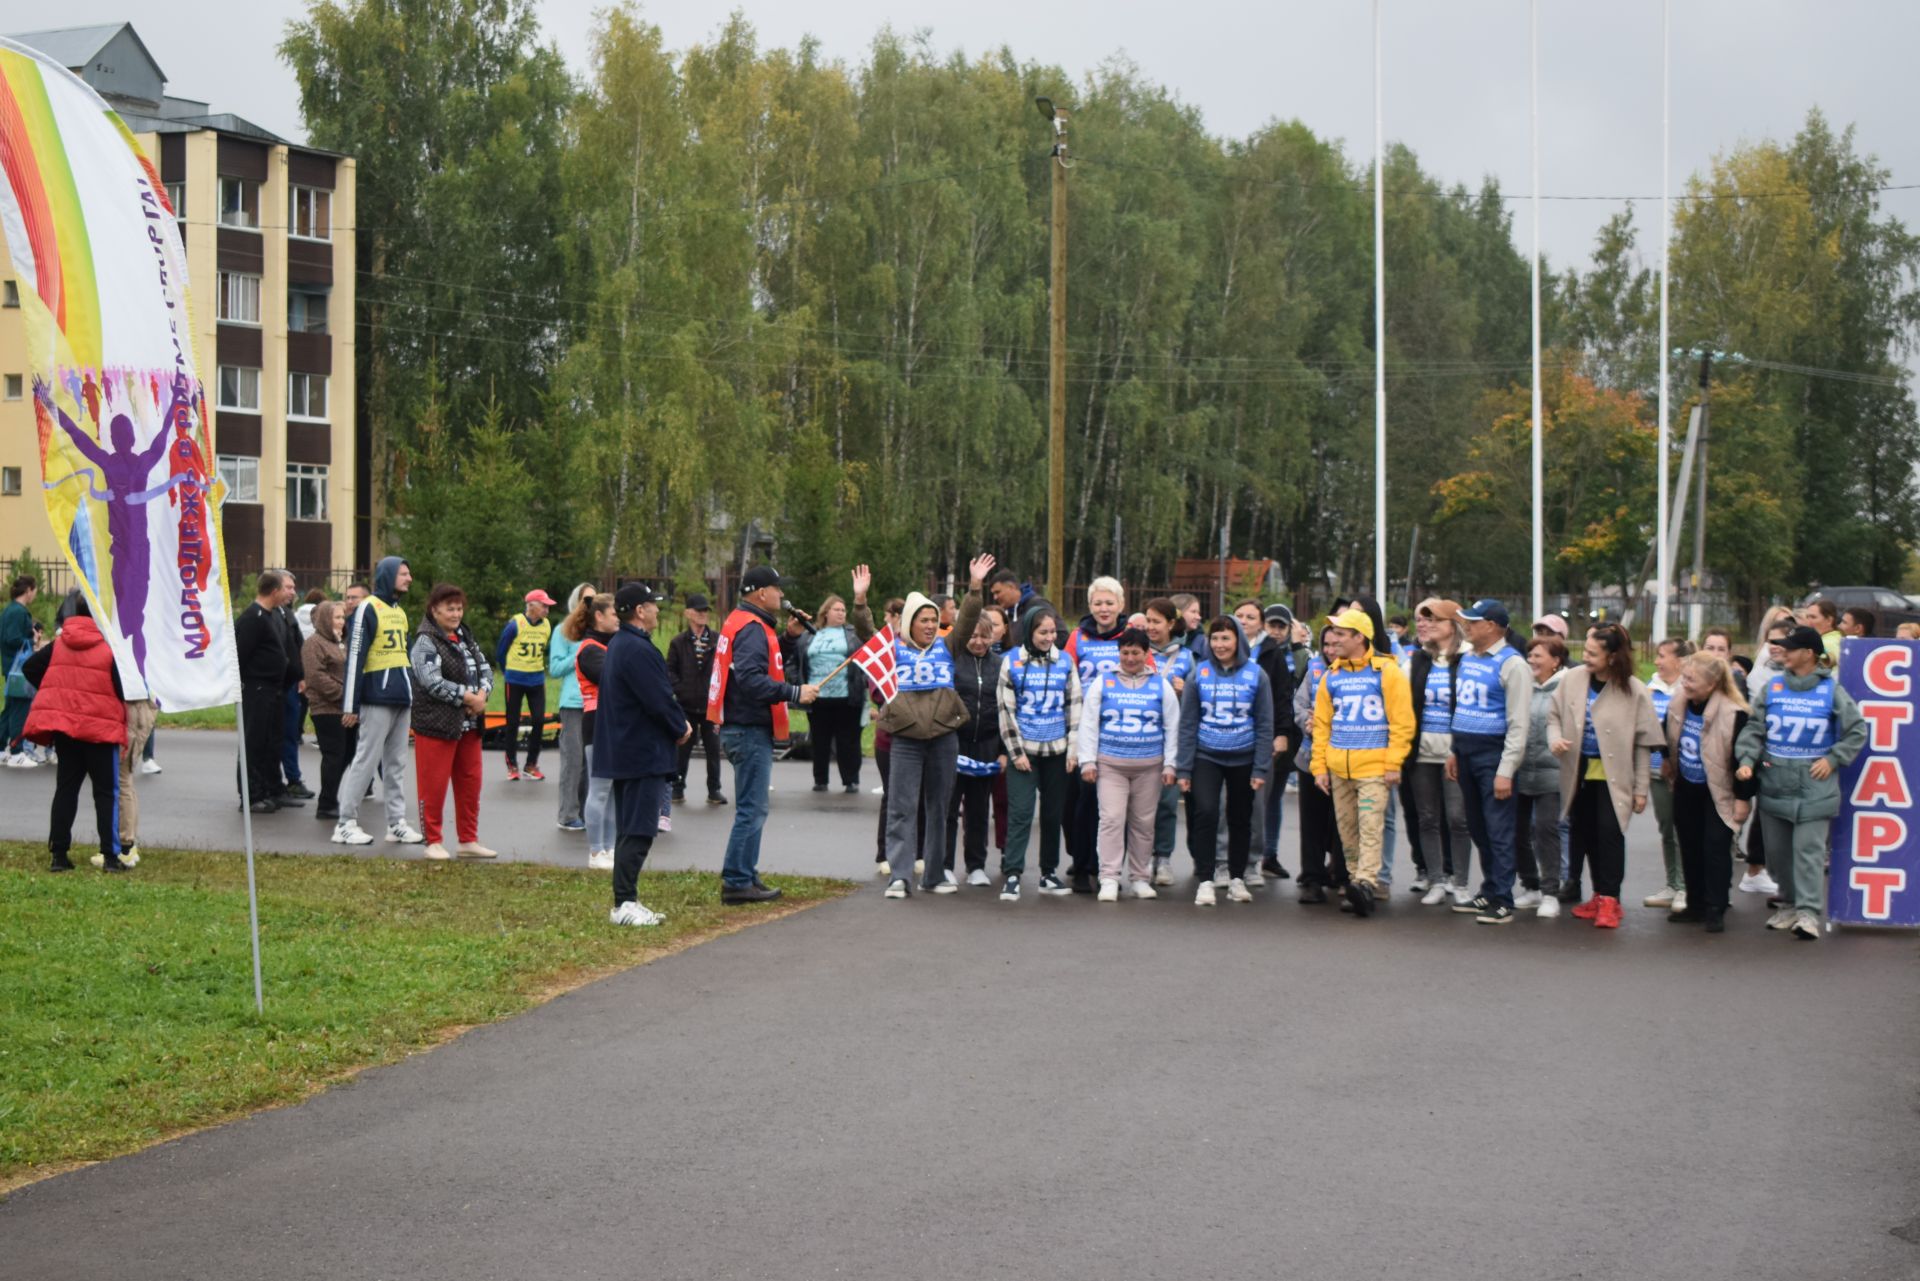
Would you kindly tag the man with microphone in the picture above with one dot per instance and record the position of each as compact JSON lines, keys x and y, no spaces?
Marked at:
{"x":747,"y":698}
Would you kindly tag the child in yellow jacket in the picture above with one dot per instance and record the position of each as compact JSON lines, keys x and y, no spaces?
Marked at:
{"x":1363,"y":727}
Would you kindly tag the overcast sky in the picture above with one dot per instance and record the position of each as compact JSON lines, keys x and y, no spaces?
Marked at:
{"x":1456,"y":72}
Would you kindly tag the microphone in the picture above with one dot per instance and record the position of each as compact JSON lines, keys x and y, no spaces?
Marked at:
{"x":806,"y":619}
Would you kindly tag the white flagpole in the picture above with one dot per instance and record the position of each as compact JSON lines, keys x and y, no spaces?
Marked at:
{"x":246,"y":826}
{"x":1663,"y":561}
{"x":1533,"y":118}
{"x":1379,"y":330}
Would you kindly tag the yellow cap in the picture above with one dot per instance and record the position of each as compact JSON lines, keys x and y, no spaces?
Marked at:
{"x":1354,"y":620}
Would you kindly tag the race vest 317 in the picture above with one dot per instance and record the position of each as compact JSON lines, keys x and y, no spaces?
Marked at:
{"x":1226,"y":707}
{"x":1436,"y":709}
{"x":1692,"y":730}
{"x":915,"y":669}
{"x":1479,"y":699}
{"x":1799,"y":721}
{"x":1040,"y":693}
{"x":1130,"y":725}
{"x":1096,"y":657}
{"x":1662,"y":699}
{"x":1359,"y":710}
{"x":389,"y":648}
{"x":528,"y":652}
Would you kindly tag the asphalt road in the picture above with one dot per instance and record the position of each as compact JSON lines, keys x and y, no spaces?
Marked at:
{"x":962,"y":1088}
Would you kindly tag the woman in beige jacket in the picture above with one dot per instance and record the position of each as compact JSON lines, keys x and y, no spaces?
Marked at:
{"x":1601,"y":726}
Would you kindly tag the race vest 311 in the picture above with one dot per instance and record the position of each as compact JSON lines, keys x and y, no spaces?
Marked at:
{"x":1692,"y":730}
{"x":1226,"y":708}
{"x":1040,"y":694}
{"x":1799,"y":721}
{"x":1436,"y":709}
{"x":1130,"y":725}
{"x":1662,"y":699}
{"x":916,"y":669}
{"x":1359,"y":710}
{"x":389,"y":648}
{"x":1479,"y":699}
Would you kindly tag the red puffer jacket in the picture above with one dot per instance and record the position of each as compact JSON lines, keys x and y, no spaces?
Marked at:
{"x":77,"y":697}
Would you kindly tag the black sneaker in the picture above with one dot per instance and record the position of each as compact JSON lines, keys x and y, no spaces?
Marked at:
{"x":1010,"y":889}
{"x":1716,"y":920}
{"x":1082,"y":883}
{"x":115,"y":866}
{"x":288,"y":801}
{"x":265,"y":806}
{"x":298,"y":791}
{"x":1051,"y":884}
{"x":1478,"y":905}
{"x":733,"y":895}
{"x":1692,"y":916}
{"x":1271,"y":869}
{"x":851,"y":789}
{"x":1360,"y":898}
{"x":1495,"y":914}
{"x":679,"y":795}
{"x":327,"y":815}
{"x":819,"y":787}
{"x":1312,"y":894}
{"x":714,"y":798}
{"x":60,"y":863}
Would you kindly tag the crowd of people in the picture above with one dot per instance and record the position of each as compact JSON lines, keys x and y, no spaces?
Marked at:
{"x":1001,"y":724}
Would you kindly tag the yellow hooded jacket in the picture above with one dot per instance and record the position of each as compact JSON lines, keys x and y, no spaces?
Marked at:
{"x":1374,"y":762}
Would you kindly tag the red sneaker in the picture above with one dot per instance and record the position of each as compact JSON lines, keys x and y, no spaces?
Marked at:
{"x":533,"y":772}
{"x":1607,"y":917}
{"x":1587,"y":910}
{"x":513,"y":773}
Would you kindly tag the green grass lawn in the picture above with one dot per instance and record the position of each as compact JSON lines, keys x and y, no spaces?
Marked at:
{"x":130,"y":1014}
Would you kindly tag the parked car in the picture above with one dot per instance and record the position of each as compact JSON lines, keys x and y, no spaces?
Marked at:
{"x":1890,"y":608}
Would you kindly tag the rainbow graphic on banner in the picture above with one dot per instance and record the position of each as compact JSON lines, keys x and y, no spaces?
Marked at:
{"x":125,"y":457}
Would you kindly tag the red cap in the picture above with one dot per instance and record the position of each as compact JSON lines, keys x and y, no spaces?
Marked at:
{"x":538,"y":597}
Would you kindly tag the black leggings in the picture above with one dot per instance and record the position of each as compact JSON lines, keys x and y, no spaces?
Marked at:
{"x":834,"y":725}
{"x":1203,"y":815}
{"x":536,"y":698}
{"x":1595,"y":834}
{"x":337,"y":744}
{"x":1706,"y":845}
{"x":78,"y":763}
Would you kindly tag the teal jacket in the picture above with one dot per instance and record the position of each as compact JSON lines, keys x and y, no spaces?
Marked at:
{"x":561,"y":654}
{"x":1788,"y":789}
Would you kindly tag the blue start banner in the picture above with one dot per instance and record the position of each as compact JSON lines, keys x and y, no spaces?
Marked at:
{"x":1876,"y":855}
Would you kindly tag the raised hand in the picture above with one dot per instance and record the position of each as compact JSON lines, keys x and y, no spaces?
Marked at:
{"x":862,"y":580}
{"x":977,"y":570}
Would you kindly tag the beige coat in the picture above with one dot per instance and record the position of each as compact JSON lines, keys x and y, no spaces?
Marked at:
{"x":1716,"y":752}
{"x":1628,"y":733}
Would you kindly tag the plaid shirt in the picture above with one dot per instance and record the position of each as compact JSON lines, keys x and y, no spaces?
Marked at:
{"x":1010,"y":708}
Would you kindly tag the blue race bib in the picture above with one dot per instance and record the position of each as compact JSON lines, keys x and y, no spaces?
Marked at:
{"x":1799,"y":722}
{"x":1226,"y":708}
{"x":1359,"y":710}
{"x":1130,"y":725}
{"x":916,"y":670}
{"x":1692,"y":767}
{"x":1479,"y":699}
{"x":1040,"y":693}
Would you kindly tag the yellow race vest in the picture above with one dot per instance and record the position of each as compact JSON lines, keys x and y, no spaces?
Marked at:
{"x":529,"y":652}
{"x":389,"y":648}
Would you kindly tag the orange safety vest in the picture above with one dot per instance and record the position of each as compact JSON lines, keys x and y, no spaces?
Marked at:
{"x":738,"y":620}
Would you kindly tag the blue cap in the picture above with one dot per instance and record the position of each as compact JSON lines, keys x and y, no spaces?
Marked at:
{"x":1486,"y":611}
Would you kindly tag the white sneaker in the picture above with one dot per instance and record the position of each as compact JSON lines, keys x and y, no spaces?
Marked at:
{"x":979,"y":879}
{"x":600,"y":861}
{"x":1237,"y":891}
{"x":949,"y":877}
{"x":1420,"y":884}
{"x":1806,"y":925}
{"x":1662,"y":899}
{"x":1163,"y":871}
{"x":1220,"y":875}
{"x":919,"y":868}
{"x":1549,"y":907}
{"x":634,"y":913}
{"x":401,"y":834}
{"x":349,"y":833}
{"x":1254,"y":878}
{"x":666,"y":823}
{"x":150,"y":766}
{"x":947,"y":887}
{"x":1205,"y":896}
{"x":1141,"y":889}
{"x":1527,"y":899}
{"x":24,"y":761}
{"x":1679,"y":900}
{"x":1783,"y":919}
{"x":474,"y":849}
{"x":882,"y":869}
{"x":1435,"y":895}
{"x":437,"y":852}
{"x":1462,"y":894}
{"x":1109,"y":891}
{"x":1759,"y":882}
{"x":896,"y":888}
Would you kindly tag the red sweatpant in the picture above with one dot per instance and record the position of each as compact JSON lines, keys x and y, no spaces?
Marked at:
{"x":438,"y":761}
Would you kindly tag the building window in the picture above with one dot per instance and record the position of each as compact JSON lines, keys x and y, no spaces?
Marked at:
{"x":240,"y":388}
{"x":239,"y":203}
{"x":307,"y":396}
{"x":310,"y":216}
{"x":16,"y":386}
{"x":239,"y":298}
{"x":177,"y":197}
{"x":9,"y":482}
{"x":241,"y":475}
{"x":306,"y":313}
{"x":10,"y":293}
{"x":306,"y":491}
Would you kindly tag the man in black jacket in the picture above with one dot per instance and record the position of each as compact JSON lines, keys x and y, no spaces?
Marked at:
{"x":635,"y":730}
{"x":295,"y":695}
{"x":261,"y":643}
{"x":690,"y":668}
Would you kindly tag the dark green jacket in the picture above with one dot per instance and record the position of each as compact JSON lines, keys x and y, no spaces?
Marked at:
{"x":1788,"y":789}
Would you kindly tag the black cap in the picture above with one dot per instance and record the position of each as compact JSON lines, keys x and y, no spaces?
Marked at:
{"x":631,"y":597}
{"x":1279,"y":614}
{"x":759,"y":578}
{"x":1803,"y":638}
{"x":697,"y":601}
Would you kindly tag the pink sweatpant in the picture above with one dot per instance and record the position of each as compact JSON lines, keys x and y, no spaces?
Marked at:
{"x":1129,"y":795}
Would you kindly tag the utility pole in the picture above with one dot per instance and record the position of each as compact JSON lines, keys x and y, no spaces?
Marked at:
{"x":1057,"y":363}
{"x":1696,"y":606}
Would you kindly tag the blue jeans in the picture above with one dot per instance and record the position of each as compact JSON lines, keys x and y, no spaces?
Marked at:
{"x":750,"y":748}
{"x":1489,"y":820}
{"x":296,"y":718}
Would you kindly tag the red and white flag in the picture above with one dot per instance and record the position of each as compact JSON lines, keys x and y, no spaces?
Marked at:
{"x":875,"y":658}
